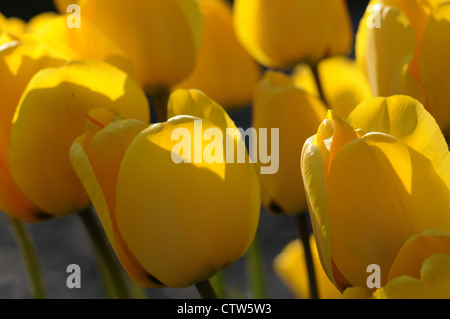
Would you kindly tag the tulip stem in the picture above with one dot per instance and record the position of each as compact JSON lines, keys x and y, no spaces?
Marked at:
{"x":110,"y":270}
{"x":218,"y":284}
{"x":159,"y":102}
{"x":304,"y":237}
{"x":255,"y":269}
{"x":27,"y":249}
{"x":205,"y":290}
{"x":319,"y":85}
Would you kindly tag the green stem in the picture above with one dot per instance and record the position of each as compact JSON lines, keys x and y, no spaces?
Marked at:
{"x":205,"y":290}
{"x":218,"y":283}
{"x":138,"y":291}
{"x":113,"y":278}
{"x":255,"y":268}
{"x":319,"y":85}
{"x":304,"y":237}
{"x":30,"y":258}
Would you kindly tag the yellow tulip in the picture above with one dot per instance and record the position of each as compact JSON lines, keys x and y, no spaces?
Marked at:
{"x":372,"y":183}
{"x":172,"y":224}
{"x":162,"y":38}
{"x":279,"y":103}
{"x":19,"y":61}
{"x":434,"y":282}
{"x":85,"y":43}
{"x":12,"y":27}
{"x":344,"y":84}
{"x":419,"y":271}
{"x":224,"y":70}
{"x":290,"y":266}
{"x":283,"y":33}
{"x":61,"y":5}
{"x":402,"y":47}
{"x":49,"y":116}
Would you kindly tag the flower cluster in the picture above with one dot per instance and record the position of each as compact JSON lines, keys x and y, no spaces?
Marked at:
{"x":124,"y":109}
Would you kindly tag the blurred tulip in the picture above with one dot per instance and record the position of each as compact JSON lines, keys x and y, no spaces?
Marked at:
{"x":281,"y":34}
{"x":371,"y":189}
{"x":49,"y":116}
{"x":170,"y":224}
{"x":408,"y":52}
{"x":344,"y":84}
{"x":13,"y":27}
{"x":279,"y":103}
{"x":162,"y":38}
{"x":85,"y":43}
{"x":61,"y":5}
{"x":291,"y":267}
{"x":224,"y":70}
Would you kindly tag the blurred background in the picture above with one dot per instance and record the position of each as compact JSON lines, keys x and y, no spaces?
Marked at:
{"x":64,"y":241}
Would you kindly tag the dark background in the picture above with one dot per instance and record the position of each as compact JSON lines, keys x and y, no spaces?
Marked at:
{"x":63,"y":241}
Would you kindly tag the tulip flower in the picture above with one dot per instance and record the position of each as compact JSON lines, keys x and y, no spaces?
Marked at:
{"x":344,"y":84}
{"x":372,"y":183}
{"x":61,"y":5}
{"x":19,"y":61}
{"x":170,"y":223}
{"x":85,"y":43}
{"x":290,"y":266}
{"x":433,"y":284}
{"x":279,"y":103}
{"x":37,"y":177}
{"x":162,"y":38}
{"x":11,"y":26}
{"x":402,"y":47}
{"x":281,"y":34}
{"x":224,"y":70}
{"x":419,"y":271}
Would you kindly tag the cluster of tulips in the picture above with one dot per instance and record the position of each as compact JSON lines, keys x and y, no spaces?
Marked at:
{"x":363,"y":156}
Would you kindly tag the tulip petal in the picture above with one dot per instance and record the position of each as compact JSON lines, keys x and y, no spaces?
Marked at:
{"x":434,"y":282}
{"x":185,"y":221}
{"x":19,"y":61}
{"x":418,"y":248}
{"x":51,"y":115}
{"x":290,"y":266}
{"x":279,"y":104}
{"x":356,"y":293}
{"x":61,"y":5}
{"x":434,"y":66}
{"x":197,"y":104}
{"x":162,"y":38}
{"x":281,"y":34}
{"x":402,"y":287}
{"x":383,"y":187}
{"x":313,"y":174}
{"x":406,"y":119}
{"x":11,"y":27}
{"x":435,"y":273}
{"x":344,"y":84}
{"x":222,"y":54}
{"x":96,"y":157}
{"x":384,"y":53}
{"x":85,"y":43}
